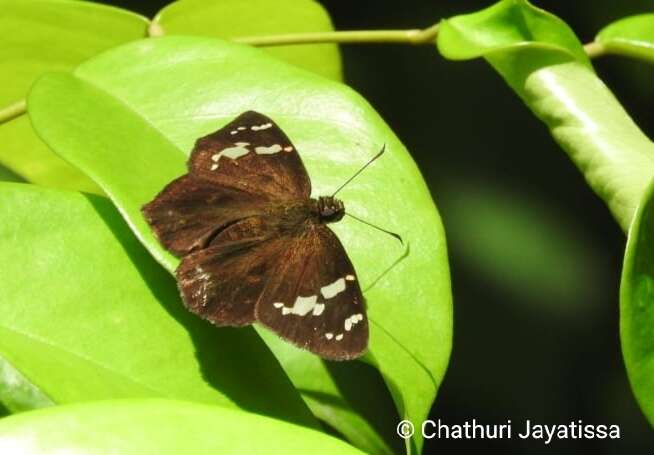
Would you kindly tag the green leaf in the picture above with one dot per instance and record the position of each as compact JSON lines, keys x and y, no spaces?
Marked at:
{"x":632,"y":36}
{"x":88,"y":315}
{"x":131,"y":116}
{"x":157,"y":426}
{"x":504,"y":26}
{"x":539,"y":57}
{"x":637,"y":306}
{"x":45,"y":35}
{"x":238,"y":19}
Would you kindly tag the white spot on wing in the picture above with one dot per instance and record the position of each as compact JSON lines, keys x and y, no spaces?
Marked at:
{"x":352,"y":321}
{"x":261,"y":127}
{"x":288,"y":149}
{"x":318,"y":309}
{"x":241,"y":128}
{"x":278,"y":304}
{"x":331,"y":290}
{"x":233,"y":132}
{"x":339,"y":337}
{"x":329,"y":335}
{"x":350,"y":277}
{"x":239,"y":149}
{"x":268,"y":150}
{"x":302,"y":306}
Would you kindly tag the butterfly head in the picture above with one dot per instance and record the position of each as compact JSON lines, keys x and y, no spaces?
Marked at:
{"x":330,"y":209}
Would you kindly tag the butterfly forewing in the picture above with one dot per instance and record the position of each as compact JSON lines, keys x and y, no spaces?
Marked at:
{"x":225,"y":185}
{"x":190,"y":211}
{"x":313,"y":298}
{"x":253,"y":154}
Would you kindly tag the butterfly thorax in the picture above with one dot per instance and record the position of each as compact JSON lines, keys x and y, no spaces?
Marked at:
{"x":290,"y":216}
{"x":328,"y":209}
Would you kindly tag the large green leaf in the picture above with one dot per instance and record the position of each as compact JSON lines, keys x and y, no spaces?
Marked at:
{"x":155,"y":426}
{"x":42,"y":35}
{"x":238,"y":19}
{"x":540,"y":58}
{"x":637,"y":305}
{"x":130,"y":118}
{"x":633,"y":36}
{"x":86,"y":314}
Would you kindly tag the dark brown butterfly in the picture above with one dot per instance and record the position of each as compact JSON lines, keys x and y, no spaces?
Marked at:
{"x":255,"y":246}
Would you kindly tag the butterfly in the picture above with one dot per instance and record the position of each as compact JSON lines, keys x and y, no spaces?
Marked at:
{"x":254,"y":245}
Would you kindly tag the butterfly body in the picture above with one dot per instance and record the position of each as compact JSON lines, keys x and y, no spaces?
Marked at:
{"x":324,"y":210}
{"x":292,"y":217}
{"x":255,"y":246}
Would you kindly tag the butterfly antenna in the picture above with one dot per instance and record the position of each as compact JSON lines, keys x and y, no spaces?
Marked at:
{"x":397,"y":236}
{"x":383,"y":149}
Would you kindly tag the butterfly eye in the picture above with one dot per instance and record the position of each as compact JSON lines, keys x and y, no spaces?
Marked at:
{"x":330,"y":209}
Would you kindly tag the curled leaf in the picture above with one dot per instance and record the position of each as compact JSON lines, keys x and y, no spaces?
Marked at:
{"x":632,"y":36}
{"x":544,"y":63}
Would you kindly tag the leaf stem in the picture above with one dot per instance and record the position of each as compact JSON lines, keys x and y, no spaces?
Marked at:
{"x":594,"y":49}
{"x":155,"y":30}
{"x":12,"y":111}
{"x":410,"y":36}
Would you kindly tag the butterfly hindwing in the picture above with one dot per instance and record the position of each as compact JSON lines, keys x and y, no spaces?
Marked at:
{"x":253,"y":154}
{"x":313,"y":298}
{"x":223,"y":282}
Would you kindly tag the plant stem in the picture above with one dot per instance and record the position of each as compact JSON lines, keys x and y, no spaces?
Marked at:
{"x":155,"y":30}
{"x":594,"y":49}
{"x":411,"y":36}
{"x":12,"y":111}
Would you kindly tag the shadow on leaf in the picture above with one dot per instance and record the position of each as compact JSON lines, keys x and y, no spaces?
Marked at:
{"x":233,"y":361}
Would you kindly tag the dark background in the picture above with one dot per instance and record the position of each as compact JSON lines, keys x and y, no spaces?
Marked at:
{"x":535,"y":255}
